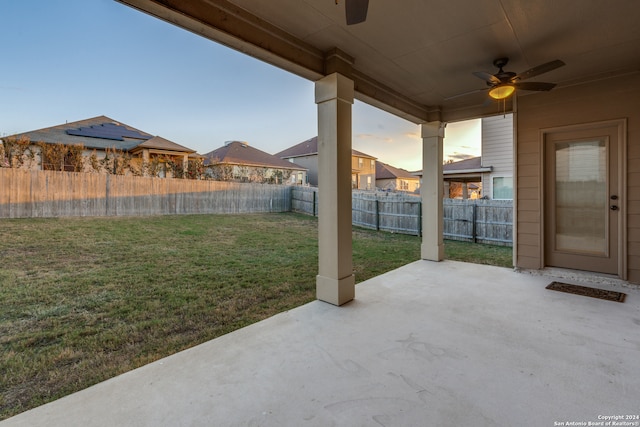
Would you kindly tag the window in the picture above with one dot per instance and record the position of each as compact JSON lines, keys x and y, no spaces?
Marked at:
{"x":503,"y":187}
{"x":404,"y":185}
{"x":360,"y":162}
{"x":373,"y":164}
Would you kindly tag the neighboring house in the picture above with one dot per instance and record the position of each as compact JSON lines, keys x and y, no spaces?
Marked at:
{"x":238,"y":161}
{"x":99,"y":144}
{"x":363,"y":166}
{"x":395,"y":179}
{"x":489,"y":175}
{"x":460,"y":176}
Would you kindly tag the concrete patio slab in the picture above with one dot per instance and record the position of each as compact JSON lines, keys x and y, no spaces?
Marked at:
{"x":429,"y":344}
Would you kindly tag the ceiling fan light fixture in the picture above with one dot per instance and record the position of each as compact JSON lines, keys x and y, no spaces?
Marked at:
{"x":502,"y":91}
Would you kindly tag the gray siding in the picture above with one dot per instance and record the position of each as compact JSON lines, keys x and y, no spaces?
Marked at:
{"x":497,"y":149}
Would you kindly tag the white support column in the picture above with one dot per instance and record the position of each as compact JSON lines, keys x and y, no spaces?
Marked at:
{"x":335,"y":282}
{"x":431,"y":191}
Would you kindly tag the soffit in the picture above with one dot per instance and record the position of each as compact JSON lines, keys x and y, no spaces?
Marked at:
{"x":410,"y":56}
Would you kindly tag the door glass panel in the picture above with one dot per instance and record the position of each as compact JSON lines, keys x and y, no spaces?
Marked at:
{"x":581,"y":197}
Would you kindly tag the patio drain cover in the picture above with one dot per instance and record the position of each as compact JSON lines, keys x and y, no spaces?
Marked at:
{"x":587,"y":291}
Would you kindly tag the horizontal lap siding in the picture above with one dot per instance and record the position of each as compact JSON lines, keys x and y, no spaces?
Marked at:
{"x":497,"y":149}
{"x":608,"y":100}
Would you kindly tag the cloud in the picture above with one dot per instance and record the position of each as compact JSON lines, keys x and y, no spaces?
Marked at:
{"x":412,"y":135}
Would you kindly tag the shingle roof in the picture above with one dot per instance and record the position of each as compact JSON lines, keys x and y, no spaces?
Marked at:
{"x":58,"y":135}
{"x":466,"y":164}
{"x":79,"y":131}
{"x":160,"y":143}
{"x":385,"y":171}
{"x":241,"y":153}
{"x":305,"y":148}
{"x":309,"y":148}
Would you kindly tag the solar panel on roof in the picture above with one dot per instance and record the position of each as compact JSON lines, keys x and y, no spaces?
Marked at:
{"x":107,"y":131}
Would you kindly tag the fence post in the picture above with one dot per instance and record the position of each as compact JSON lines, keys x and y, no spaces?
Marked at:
{"x":420,"y":219}
{"x":473,"y":227}
{"x":313,"y":204}
{"x":377,"y":214}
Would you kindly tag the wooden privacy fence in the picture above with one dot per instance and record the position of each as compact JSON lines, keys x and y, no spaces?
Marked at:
{"x":304,"y":200}
{"x":395,"y":212}
{"x":483,"y":221}
{"x":26,"y":194}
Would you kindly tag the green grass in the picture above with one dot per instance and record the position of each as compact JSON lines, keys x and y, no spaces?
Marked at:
{"x":85,"y":299}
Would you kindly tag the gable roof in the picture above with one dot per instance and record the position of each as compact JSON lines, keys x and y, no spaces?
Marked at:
{"x":241,"y":153}
{"x":102,"y":132}
{"x":310,"y":148}
{"x":385,"y":171}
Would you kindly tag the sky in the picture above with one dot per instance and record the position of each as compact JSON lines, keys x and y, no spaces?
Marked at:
{"x":69,"y":60}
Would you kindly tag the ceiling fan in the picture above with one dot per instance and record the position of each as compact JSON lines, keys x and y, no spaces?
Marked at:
{"x":356,"y":10}
{"x":503,"y":83}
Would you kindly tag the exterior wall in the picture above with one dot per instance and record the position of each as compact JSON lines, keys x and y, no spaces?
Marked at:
{"x":365,"y":170}
{"x":497,"y":150}
{"x":412,"y":184}
{"x":605,"y":100}
{"x":311,"y":164}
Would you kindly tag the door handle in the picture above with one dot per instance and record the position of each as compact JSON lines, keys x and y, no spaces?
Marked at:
{"x":613,"y":208}
{"x":614,"y":197}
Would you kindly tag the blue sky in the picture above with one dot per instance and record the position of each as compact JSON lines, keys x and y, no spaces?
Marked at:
{"x":68,"y":60}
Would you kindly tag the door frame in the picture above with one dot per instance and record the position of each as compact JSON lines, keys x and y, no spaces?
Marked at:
{"x":621,"y":125}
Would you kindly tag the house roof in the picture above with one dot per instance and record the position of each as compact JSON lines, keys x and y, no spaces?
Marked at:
{"x":310,"y":148}
{"x":471,"y":165}
{"x":241,"y":153}
{"x":102,"y":132}
{"x":385,"y":171}
{"x":159,"y":143}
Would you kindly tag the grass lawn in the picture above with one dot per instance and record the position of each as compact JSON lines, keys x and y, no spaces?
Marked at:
{"x":85,"y":299}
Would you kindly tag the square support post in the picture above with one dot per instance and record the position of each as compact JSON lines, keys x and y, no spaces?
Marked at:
{"x":431,"y":191}
{"x":335,"y":282}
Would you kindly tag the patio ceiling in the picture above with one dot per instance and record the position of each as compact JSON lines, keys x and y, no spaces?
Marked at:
{"x":409,"y":56}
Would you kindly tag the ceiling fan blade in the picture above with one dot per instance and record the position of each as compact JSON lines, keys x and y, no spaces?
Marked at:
{"x":490,"y":78}
{"x":356,"y":11}
{"x":540,"y":69}
{"x":540,"y":86}
{"x":466,"y":93}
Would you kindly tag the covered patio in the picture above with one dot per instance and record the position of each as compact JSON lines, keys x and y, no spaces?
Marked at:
{"x":430,"y":343}
{"x":436,"y":63}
